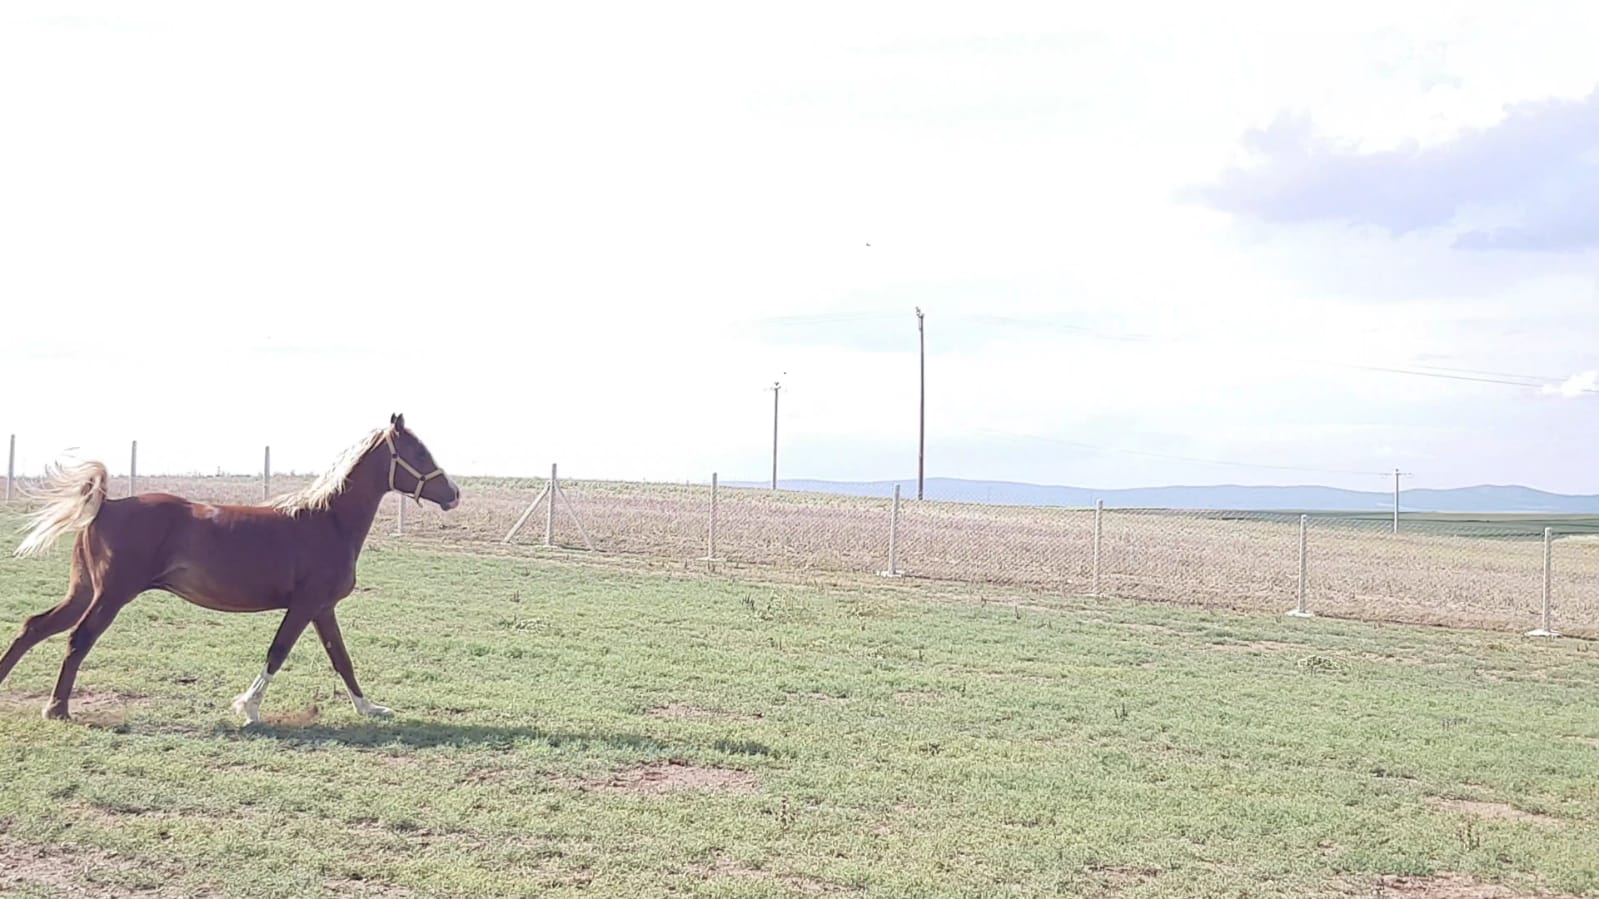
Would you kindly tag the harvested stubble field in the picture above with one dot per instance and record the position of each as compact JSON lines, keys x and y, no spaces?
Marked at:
{"x":1357,"y":568}
{"x":573,"y":724}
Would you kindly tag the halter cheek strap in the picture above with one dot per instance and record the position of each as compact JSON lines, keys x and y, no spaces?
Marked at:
{"x":397,"y":462}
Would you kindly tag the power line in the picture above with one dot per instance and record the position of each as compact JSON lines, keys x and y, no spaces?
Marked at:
{"x":1478,"y":376}
{"x":821,"y":318}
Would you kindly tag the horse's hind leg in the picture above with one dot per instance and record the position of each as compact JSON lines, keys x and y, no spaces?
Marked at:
{"x":248,"y":703}
{"x":47,"y":624}
{"x":103,"y":609}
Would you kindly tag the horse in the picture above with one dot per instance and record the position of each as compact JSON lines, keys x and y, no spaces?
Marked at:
{"x":296,"y":554}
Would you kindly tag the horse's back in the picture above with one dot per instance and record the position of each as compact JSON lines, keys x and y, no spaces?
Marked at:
{"x":231,"y":558}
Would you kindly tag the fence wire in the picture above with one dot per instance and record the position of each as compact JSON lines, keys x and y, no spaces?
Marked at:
{"x":1479,"y":571}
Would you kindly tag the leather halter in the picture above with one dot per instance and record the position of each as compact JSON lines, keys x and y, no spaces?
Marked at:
{"x":397,"y":462}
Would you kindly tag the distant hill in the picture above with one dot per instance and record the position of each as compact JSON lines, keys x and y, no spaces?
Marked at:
{"x":1486,"y":498}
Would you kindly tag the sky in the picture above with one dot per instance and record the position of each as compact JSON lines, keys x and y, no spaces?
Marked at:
{"x":1154,"y":245}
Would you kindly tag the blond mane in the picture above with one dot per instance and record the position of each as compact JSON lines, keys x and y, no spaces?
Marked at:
{"x":319,"y":493}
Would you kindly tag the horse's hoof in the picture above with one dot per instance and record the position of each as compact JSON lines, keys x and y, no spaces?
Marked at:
{"x":56,"y":711}
{"x":243,"y":709}
{"x":371,"y":709}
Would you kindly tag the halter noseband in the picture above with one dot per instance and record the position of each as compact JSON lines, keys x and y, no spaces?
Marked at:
{"x":396,"y":462}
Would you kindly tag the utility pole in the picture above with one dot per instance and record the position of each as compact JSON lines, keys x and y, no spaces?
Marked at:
{"x":776,"y":387}
{"x":921,"y":435}
{"x":1397,"y":474}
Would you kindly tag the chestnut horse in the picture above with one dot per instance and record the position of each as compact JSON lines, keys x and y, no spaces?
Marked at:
{"x":297,"y":554}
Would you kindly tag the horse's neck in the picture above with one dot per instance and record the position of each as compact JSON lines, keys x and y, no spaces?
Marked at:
{"x":355,"y":508}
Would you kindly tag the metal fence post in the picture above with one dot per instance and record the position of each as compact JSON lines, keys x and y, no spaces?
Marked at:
{"x":399,"y":514}
{"x":266,"y":475}
{"x":893,"y":538}
{"x":1545,"y":626}
{"x":710,"y":534}
{"x":1099,"y":532}
{"x":11,"y":468}
{"x":1299,"y":610}
{"x":133,"y":471}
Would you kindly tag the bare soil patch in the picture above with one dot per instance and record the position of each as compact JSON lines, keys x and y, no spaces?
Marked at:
{"x":829,"y":699}
{"x":347,"y":886}
{"x":1156,"y":629}
{"x":1259,"y":646}
{"x":1489,"y":811}
{"x":684,"y":711}
{"x":1121,"y":877}
{"x":672,"y":776}
{"x":98,"y":708}
{"x":908,"y":696}
{"x":1442,"y":886}
{"x":1413,"y":661}
{"x":77,"y":873}
{"x":724,"y":867}
{"x":114,"y":817}
{"x":296,"y":718}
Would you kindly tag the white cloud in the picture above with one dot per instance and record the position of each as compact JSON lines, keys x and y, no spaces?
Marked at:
{"x":1581,"y":384}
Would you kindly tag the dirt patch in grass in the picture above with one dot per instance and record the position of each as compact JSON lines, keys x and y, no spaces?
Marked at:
{"x":1416,"y":661}
{"x":85,"y":874}
{"x":117,"y":817}
{"x":672,"y":776}
{"x":829,"y":699}
{"x":348,"y":886}
{"x":1259,"y":646}
{"x":724,"y":867}
{"x":97,"y":708}
{"x":489,"y":774}
{"x":297,"y":718}
{"x":1122,"y":877}
{"x":1488,"y":811}
{"x":909,"y":696}
{"x":1139,"y":627}
{"x":684,"y":711}
{"x":1441,"y":886}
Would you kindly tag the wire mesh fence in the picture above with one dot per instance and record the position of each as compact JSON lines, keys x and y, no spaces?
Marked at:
{"x":1478,"y":571}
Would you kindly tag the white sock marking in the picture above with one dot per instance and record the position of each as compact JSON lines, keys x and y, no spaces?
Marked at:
{"x":248,"y":703}
{"x":369,"y":708}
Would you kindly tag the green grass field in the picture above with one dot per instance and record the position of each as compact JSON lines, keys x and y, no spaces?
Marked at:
{"x":566,"y":727}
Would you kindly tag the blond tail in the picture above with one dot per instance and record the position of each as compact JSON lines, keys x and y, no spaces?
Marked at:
{"x":72,"y":495}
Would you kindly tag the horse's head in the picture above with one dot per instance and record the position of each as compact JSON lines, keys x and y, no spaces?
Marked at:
{"x":412,"y":470}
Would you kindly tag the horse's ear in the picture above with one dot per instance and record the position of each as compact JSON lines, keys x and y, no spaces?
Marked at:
{"x":398,"y":420}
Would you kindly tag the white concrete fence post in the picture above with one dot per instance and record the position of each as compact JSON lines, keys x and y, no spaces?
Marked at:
{"x":549,"y":510}
{"x":266,"y":475}
{"x":1545,"y":624}
{"x":1099,"y":534}
{"x":893,"y":538}
{"x":710,"y":533}
{"x":133,"y":471}
{"x":1299,"y":610}
{"x":11,"y":468}
{"x":548,"y":494}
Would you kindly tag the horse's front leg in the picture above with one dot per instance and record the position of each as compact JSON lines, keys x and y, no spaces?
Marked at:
{"x":327,"y":627}
{"x":248,"y":703}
